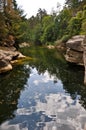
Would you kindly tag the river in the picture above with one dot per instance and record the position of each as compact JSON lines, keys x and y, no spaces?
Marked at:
{"x":43,"y":93}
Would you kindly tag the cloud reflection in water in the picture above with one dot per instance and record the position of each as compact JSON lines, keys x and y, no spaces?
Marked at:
{"x":44,"y":104}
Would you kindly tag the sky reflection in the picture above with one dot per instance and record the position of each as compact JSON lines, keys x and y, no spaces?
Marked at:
{"x":44,"y":105}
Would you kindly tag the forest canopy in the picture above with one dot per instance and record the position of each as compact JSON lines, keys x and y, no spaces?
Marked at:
{"x":43,"y":28}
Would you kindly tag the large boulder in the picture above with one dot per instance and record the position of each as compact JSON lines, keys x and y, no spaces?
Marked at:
{"x":5,"y":66}
{"x":10,"y":53}
{"x":75,"y":43}
{"x":84,"y":57}
{"x":74,"y":56}
{"x":7,"y":55}
{"x":76,"y":51}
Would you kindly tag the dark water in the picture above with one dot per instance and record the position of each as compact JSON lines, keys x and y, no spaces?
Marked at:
{"x":44,"y":93}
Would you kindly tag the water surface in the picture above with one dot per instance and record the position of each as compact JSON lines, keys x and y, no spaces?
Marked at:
{"x":44,"y":93}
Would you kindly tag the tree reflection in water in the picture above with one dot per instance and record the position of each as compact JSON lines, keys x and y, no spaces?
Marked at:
{"x":11,"y":85}
{"x":36,"y":83}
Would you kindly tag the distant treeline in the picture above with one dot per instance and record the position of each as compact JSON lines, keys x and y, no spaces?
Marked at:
{"x":43,"y":28}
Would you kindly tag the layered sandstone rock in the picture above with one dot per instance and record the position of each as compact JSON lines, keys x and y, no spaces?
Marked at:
{"x":5,"y":66}
{"x":76,"y":51}
{"x":84,"y":57}
{"x":7,"y":55}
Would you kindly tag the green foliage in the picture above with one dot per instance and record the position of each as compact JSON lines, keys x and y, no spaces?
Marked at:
{"x":22,"y":32}
{"x":79,"y":14}
{"x":3,"y":28}
{"x":84,"y":8}
{"x":47,"y":20}
{"x":12,"y":22}
{"x":74,"y":26}
{"x":49,"y":34}
{"x":65,"y":38}
{"x":43,"y":28}
{"x":61,"y":22}
{"x":72,"y":3}
{"x":37,"y":32}
{"x":84,"y":15}
{"x":83,"y":28}
{"x":50,"y":28}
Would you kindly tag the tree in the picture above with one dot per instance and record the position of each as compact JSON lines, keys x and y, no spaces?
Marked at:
{"x":11,"y":18}
{"x":74,"y":26}
{"x":72,"y":3}
{"x":41,"y":13}
{"x":49,"y":34}
{"x":1,"y":5}
{"x":62,"y":21}
{"x":36,"y":34}
{"x":83,"y":26}
{"x":49,"y":31}
{"x":3,"y":28}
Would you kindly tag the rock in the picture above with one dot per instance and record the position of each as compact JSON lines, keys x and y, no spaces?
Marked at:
{"x":20,"y":56}
{"x":50,"y":47}
{"x":74,"y":56}
{"x":5,"y":66}
{"x":24,"y":44}
{"x":7,"y":55}
{"x":75,"y":43}
{"x":10,"y":54}
{"x":84,"y":57}
{"x":76,"y":51}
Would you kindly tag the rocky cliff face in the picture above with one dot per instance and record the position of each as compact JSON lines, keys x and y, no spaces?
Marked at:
{"x":84,"y":57}
{"x":76,"y":51}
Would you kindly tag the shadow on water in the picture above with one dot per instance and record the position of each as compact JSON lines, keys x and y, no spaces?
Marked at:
{"x":11,"y":85}
{"x":31,"y":86}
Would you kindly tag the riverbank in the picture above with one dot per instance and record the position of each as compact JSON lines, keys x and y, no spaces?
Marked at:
{"x":8,"y":56}
{"x":74,"y":51}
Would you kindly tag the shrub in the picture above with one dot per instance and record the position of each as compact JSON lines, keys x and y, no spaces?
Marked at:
{"x":74,"y":26}
{"x":83,"y":28}
{"x":65,"y":38}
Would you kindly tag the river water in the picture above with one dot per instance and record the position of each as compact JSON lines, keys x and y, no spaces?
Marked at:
{"x":43,"y":93}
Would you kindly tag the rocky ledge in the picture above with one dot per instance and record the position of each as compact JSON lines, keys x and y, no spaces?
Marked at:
{"x":7,"y":56}
{"x":76,"y":51}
